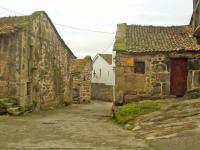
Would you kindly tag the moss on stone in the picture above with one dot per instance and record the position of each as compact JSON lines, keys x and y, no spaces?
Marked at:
{"x":123,"y":26}
{"x":27,"y":21}
{"x":23,"y":24}
{"x":36,"y":13}
{"x":82,"y":64}
{"x":80,"y":67}
{"x":121,"y":41}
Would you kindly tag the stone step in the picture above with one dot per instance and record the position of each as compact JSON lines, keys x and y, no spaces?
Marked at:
{"x":15,"y":111}
{"x":8,"y":100}
{"x":193,"y":94}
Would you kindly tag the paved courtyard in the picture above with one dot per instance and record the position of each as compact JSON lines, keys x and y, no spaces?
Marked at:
{"x":73,"y":127}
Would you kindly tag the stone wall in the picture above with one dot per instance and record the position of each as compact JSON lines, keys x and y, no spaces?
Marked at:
{"x":9,"y":65}
{"x":130,"y":85}
{"x":48,"y":64}
{"x":85,"y":94}
{"x":159,"y":75}
{"x":155,"y":82}
{"x":194,"y":74}
{"x":76,"y":88}
{"x":102,"y":92}
{"x":195,"y":22}
{"x":81,"y":80}
{"x":38,"y":63}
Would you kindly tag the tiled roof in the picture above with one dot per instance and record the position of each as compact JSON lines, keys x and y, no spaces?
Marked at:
{"x":107,"y":58}
{"x":13,"y":24}
{"x":135,"y":38}
{"x":16,"y":23}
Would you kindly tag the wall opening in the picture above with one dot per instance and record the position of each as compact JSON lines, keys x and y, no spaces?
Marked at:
{"x":140,"y":67}
{"x":28,"y":86}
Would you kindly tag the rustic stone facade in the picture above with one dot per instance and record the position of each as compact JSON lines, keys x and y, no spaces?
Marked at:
{"x":195,"y":21}
{"x":155,"y":82}
{"x":155,"y":62}
{"x":81,"y":70}
{"x":102,"y":92}
{"x":34,"y":62}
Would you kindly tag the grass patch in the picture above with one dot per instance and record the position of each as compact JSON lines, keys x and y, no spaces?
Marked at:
{"x":131,"y":111}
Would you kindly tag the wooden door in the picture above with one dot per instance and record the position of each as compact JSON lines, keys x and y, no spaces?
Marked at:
{"x":179,"y":72}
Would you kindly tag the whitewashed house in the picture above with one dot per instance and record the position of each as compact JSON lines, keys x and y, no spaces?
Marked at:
{"x":103,"y":69}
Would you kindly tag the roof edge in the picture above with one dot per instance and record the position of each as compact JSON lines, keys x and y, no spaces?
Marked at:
{"x":120,"y":37}
{"x":37,"y":13}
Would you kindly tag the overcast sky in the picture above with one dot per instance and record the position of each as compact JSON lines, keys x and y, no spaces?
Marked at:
{"x":101,"y":15}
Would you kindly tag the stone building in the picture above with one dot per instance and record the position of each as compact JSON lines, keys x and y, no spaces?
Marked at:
{"x":34,"y":62}
{"x":155,"y":62}
{"x":81,"y":70}
{"x":195,"y":21}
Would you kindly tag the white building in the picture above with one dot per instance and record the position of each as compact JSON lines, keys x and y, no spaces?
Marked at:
{"x":103,"y":69}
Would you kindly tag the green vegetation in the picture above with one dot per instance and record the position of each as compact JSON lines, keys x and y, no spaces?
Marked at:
{"x":121,"y":41}
{"x":82,"y":64}
{"x":23,"y":24}
{"x":131,"y":111}
{"x":27,"y":20}
{"x":80,"y":67}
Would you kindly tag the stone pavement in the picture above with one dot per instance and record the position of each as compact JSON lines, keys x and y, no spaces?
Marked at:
{"x":73,"y":127}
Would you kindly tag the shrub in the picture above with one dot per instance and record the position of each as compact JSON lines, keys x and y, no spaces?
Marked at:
{"x":131,"y":111}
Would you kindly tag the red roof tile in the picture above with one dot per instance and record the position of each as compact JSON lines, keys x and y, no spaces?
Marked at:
{"x":135,"y":38}
{"x":13,"y":24}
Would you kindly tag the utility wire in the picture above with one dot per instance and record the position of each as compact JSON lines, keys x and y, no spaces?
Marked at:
{"x":65,"y":26}
{"x":109,"y":46}
{"x":30,"y":34}
{"x":52,"y":43}
{"x":61,"y":25}
{"x":76,"y":28}
{"x":13,"y":11}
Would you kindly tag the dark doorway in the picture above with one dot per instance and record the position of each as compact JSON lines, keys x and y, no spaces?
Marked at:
{"x":179,"y":72}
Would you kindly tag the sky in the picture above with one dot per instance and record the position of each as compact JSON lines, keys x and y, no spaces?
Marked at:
{"x":101,"y":15}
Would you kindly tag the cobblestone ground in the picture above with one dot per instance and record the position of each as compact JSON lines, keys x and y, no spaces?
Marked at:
{"x":74,"y":127}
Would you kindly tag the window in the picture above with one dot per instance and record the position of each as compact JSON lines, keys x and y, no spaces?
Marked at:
{"x":140,"y":67}
{"x":100,"y":72}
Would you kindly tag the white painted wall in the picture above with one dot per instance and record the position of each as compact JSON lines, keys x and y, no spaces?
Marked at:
{"x":102,"y":72}
{"x":114,"y":72}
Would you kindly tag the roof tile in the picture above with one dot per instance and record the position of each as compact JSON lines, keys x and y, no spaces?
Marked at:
{"x":155,"y":38}
{"x":13,"y":24}
{"x":107,"y":58}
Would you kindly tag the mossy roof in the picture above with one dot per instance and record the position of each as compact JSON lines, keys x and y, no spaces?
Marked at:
{"x":13,"y":24}
{"x":16,"y":23}
{"x":138,"y":39}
